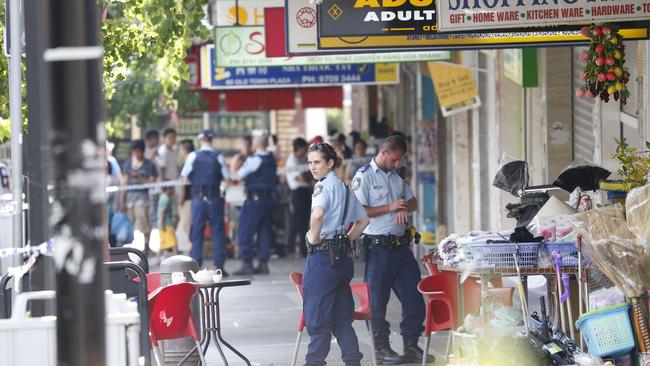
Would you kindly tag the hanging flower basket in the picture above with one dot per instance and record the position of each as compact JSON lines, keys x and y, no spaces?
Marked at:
{"x":604,"y":74}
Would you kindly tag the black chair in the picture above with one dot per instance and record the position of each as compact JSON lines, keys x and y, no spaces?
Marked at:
{"x":143,"y":308}
{"x":122,"y":281}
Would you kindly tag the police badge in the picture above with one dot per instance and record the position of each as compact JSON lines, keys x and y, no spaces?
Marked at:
{"x":356,"y":183}
{"x":318,"y":189}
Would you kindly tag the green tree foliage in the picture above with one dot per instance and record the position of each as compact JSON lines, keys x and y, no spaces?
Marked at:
{"x":145,"y":43}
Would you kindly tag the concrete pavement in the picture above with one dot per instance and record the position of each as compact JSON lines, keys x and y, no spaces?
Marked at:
{"x":261,"y":320}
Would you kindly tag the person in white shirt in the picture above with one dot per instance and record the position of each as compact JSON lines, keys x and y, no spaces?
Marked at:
{"x":300,"y":182}
{"x":167,"y":159}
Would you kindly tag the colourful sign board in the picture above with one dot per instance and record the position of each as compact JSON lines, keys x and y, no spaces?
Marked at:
{"x":241,"y":46}
{"x":261,"y":77}
{"x":467,"y":40}
{"x":302,"y":38}
{"x":459,"y":15}
{"x":455,"y":87}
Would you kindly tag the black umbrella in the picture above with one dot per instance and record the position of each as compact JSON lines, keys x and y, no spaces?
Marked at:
{"x":512,"y":177}
{"x":585,"y":175}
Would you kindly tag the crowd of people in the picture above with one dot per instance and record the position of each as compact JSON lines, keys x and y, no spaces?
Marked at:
{"x":144,"y":203}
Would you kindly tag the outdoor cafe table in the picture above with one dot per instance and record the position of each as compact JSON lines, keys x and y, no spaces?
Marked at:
{"x":211,"y":317}
{"x":485,"y":273}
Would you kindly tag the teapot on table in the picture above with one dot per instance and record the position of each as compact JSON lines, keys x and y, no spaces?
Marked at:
{"x":202,"y":276}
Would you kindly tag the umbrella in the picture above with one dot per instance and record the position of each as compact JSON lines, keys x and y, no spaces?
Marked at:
{"x":512,"y":177}
{"x":583,"y":174}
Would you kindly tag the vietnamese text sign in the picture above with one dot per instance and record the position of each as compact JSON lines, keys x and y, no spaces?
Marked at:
{"x":454,"y":15}
{"x":467,"y":40}
{"x":254,"y":77}
{"x":455,"y":87}
{"x":240,"y":46}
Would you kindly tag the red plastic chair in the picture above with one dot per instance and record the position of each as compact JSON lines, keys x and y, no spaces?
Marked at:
{"x":153,"y":281}
{"x":363,"y":312}
{"x":440,"y":314}
{"x":171,"y":318}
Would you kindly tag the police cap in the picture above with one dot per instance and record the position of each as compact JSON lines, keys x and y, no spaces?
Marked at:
{"x":205,"y":134}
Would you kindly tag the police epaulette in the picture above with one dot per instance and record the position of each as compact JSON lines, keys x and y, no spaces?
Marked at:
{"x":364,"y":168}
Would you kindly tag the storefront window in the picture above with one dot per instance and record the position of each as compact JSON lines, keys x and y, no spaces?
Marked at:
{"x":632,"y":60}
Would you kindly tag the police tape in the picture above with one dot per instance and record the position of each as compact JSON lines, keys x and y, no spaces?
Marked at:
{"x":44,"y":248}
{"x":143,"y":186}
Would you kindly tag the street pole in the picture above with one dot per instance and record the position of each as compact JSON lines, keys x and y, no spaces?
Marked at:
{"x":16,"y":118}
{"x":77,"y":215}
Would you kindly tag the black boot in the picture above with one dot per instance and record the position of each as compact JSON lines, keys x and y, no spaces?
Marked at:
{"x":246,"y":269}
{"x":413,"y":353}
{"x":262,"y":268}
{"x":386,"y":355}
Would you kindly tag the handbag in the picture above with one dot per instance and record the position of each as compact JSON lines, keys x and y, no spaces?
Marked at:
{"x":122,"y":228}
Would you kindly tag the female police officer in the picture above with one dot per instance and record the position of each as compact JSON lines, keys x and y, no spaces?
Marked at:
{"x":327,"y":298}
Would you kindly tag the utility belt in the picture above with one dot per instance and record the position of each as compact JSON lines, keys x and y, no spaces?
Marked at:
{"x":257,"y":193}
{"x":206,"y":191}
{"x":338,"y":247}
{"x":390,"y":242}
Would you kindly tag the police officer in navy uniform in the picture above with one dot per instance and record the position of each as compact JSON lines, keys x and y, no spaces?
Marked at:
{"x":259,"y":173}
{"x":205,"y":170}
{"x":390,"y":265}
{"x":327,"y":299}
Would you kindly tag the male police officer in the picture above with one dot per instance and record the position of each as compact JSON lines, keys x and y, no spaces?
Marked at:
{"x":206,"y":169}
{"x":260,"y":175}
{"x":390,"y":263}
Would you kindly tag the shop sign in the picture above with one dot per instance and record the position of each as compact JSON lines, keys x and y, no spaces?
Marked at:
{"x":261,"y":77}
{"x":455,"y":87}
{"x":376,"y":17}
{"x":241,"y":46}
{"x":456,"y":15}
{"x":302,"y":38}
{"x":467,"y":40}
{"x":251,"y":12}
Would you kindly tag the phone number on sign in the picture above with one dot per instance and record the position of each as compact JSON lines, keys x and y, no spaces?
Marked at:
{"x":339,"y":78}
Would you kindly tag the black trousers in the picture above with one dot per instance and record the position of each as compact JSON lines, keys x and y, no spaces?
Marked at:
{"x":300,"y":212}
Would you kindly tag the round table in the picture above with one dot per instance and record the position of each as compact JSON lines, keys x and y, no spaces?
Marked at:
{"x":211,"y":318}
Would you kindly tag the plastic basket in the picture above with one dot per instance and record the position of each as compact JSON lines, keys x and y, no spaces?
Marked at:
{"x":500,"y":255}
{"x":568,"y":253}
{"x":608,"y":331}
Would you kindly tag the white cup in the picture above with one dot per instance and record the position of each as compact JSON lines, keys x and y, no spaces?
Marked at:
{"x":217,"y":276}
{"x":178,"y":277}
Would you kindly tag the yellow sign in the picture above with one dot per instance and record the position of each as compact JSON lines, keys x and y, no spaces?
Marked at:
{"x":455,"y":87}
{"x":466,"y":40}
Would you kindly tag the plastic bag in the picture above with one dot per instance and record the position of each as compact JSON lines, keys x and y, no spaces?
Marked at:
{"x":581,"y":173}
{"x":614,"y":249}
{"x":637,"y":206}
{"x":512,"y":176}
{"x":122,"y":228}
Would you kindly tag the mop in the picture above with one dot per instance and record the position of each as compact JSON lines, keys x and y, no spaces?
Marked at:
{"x":522,"y":297}
{"x":580,"y":288}
{"x":566,"y":297}
{"x":558,"y":280}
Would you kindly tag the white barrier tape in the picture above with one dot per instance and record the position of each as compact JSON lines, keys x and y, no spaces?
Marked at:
{"x":168,"y":183}
{"x":44,"y":249}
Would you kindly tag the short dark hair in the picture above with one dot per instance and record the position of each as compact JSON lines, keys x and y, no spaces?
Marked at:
{"x":328,"y":153}
{"x":394,"y":143}
{"x":137,"y":145}
{"x":362,"y":142}
{"x":169,"y":131}
{"x":151,"y":134}
{"x":298,"y":143}
{"x":187,"y":145}
{"x":341,"y":137}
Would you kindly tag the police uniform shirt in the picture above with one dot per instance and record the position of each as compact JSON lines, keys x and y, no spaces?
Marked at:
{"x":374,"y":187}
{"x":189,"y":162}
{"x":329,"y":194}
{"x":251,"y":165}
